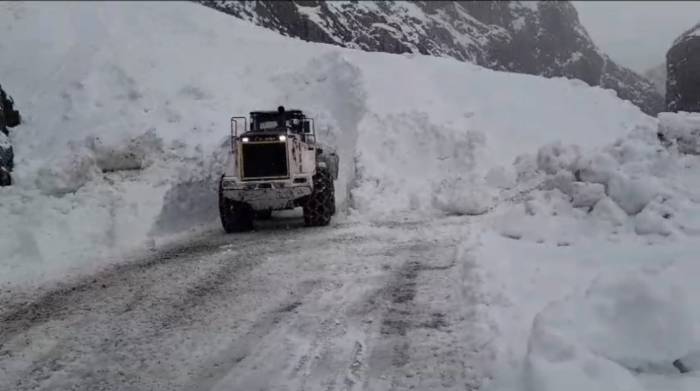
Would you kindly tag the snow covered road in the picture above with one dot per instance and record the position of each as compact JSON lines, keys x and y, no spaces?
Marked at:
{"x":585,"y":226}
{"x":354,"y":306}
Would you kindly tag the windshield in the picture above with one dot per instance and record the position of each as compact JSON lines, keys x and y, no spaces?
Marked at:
{"x":266,"y":125}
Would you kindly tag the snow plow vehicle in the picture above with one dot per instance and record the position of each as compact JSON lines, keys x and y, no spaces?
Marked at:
{"x":276,"y":164}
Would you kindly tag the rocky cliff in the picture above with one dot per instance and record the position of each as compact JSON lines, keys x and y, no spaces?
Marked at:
{"x":683,"y":72}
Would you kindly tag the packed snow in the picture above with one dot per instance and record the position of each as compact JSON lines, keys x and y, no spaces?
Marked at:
{"x":586,"y":220}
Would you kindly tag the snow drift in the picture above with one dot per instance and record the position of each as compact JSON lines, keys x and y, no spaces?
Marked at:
{"x":628,"y":331}
{"x":593,"y":269}
{"x":127,"y":109}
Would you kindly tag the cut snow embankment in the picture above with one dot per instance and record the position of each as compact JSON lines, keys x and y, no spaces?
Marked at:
{"x":415,"y":134}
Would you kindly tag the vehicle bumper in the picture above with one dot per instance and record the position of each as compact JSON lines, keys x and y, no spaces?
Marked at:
{"x":278,"y":194}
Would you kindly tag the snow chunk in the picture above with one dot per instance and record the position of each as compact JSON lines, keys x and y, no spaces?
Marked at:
{"x":683,"y":129}
{"x":555,"y":363}
{"x":597,"y":168}
{"x":513,"y":223}
{"x":648,"y":222}
{"x":607,"y":210}
{"x":586,"y":194}
{"x":459,"y":197}
{"x":554,"y":157}
{"x":562,"y":181}
{"x":69,"y":172}
{"x":622,"y":323}
{"x":632,"y":194}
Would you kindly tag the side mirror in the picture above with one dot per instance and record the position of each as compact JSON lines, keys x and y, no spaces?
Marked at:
{"x":306,"y":127}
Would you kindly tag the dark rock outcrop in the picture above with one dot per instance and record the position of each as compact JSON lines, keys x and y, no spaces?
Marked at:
{"x":9,"y":117}
{"x":6,"y":160}
{"x":540,"y":38}
{"x":683,"y":72}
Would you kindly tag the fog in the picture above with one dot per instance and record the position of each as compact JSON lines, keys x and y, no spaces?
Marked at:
{"x":637,"y":34}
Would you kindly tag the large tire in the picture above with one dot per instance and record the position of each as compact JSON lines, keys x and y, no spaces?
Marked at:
{"x":320,"y":204}
{"x":13,"y":119}
{"x":263,"y":214}
{"x":333,"y":200}
{"x":5,"y":177}
{"x":235,"y":216}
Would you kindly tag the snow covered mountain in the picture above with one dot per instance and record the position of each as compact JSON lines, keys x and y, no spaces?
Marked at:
{"x":540,"y":38}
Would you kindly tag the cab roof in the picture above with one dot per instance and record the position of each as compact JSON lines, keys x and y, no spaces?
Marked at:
{"x":275,"y":112}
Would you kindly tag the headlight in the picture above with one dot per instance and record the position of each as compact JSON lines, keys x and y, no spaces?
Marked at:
{"x":283,"y":138}
{"x":228,"y":183}
{"x":245,"y":139}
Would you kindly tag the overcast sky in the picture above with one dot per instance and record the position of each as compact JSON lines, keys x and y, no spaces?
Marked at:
{"x":637,"y":34}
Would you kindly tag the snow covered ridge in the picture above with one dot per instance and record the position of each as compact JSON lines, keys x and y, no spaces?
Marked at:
{"x":533,"y":37}
{"x":122,"y":145}
{"x":689,"y":34}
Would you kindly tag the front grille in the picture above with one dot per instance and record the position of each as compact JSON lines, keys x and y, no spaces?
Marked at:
{"x":264,"y":160}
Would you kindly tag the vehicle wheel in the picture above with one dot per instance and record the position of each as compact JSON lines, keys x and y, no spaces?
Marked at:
{"x":263,"y":214}
{"x":332,"y":199}
{"x":319,"y":206}
{"x":13,"y":119}
{"x":235,"y":216}
{"x":5,"y":177}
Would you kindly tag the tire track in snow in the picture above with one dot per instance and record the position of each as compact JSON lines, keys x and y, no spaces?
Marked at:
{"x":350,"y":307}
{"x":428,"y":331}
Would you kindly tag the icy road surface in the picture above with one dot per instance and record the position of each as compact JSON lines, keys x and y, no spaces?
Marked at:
{"x":356,"y":306}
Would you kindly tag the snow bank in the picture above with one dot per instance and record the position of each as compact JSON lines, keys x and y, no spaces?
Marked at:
{"x":488,"y":117}
{"x":594,"y":269}
{"x":624,"y":325}
{"x":126,"y":130}
{"x":611,"y":311}
{"x":638,"y":184}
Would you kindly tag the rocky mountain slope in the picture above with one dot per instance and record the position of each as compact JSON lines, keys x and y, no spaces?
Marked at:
{"x":541,"y":38}
{"x":683,"y":80}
